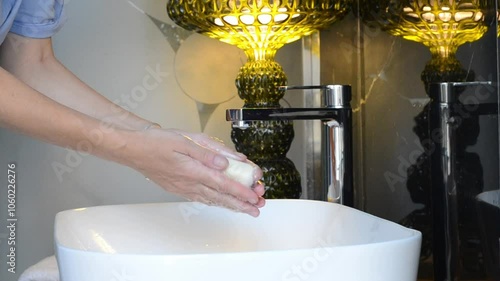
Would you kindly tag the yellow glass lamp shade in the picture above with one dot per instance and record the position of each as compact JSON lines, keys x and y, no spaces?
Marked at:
{"x":440,"y":25}
{"x":259,"y":28}
{"x":256,"y":26}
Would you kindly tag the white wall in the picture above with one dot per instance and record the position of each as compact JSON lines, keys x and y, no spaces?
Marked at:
{"x":111,"y":45}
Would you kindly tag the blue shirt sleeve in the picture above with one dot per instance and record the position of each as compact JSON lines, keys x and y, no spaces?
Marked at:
{"x":39,"y":18}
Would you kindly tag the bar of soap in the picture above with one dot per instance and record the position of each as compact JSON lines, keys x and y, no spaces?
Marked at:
{"x":242,"y":172}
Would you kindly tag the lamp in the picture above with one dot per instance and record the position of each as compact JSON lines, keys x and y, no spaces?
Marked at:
{"x":440,"y":25}
{"x":260,"y":28}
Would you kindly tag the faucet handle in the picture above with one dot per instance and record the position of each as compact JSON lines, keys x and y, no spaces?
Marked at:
{"x":334,"y":96}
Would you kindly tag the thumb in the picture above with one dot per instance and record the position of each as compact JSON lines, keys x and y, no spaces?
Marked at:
{"x":206,"y":156}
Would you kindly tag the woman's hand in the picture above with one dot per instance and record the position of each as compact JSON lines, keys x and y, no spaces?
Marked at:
{"x":192,"y":166}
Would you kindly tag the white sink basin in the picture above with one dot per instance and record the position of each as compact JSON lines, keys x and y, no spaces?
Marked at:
{"x":292,"y":240}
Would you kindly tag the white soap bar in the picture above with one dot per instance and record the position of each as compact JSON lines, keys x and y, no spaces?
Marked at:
{"x":242,"y":172}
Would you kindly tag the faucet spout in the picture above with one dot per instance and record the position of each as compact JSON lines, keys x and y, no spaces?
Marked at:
{"x":240,"y":117}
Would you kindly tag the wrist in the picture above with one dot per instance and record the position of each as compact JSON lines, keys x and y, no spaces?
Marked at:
{"x":117,"y":144}
{"x":131,"y":146}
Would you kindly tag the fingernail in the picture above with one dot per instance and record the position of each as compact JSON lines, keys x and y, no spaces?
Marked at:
{"x":220,"y":161}
{"x":254,"y":213}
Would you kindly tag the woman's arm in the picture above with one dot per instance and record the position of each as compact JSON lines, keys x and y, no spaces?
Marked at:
{"x":33,"y":62}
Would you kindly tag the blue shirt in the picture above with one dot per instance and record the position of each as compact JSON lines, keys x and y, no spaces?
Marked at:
{"x":31,"y":18}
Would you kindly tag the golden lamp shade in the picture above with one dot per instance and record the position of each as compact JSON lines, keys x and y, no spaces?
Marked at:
{"x":440,"y":25}
{"x":256,"y":26}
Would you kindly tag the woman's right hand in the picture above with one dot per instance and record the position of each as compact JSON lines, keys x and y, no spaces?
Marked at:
{"x":192,"y":165}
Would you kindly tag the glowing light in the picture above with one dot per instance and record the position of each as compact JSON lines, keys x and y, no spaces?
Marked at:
{"x":255,"y":24}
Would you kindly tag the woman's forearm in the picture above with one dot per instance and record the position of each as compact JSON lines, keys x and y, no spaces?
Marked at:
{"x":25,"y":110}
{"x":33,"y":62}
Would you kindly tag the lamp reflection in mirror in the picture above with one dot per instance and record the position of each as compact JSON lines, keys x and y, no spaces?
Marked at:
{"x":442,"y":26}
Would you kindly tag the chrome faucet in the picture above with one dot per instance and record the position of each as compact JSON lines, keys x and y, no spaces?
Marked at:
{"x":447,"y":115}
{"x":336,"y":115}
